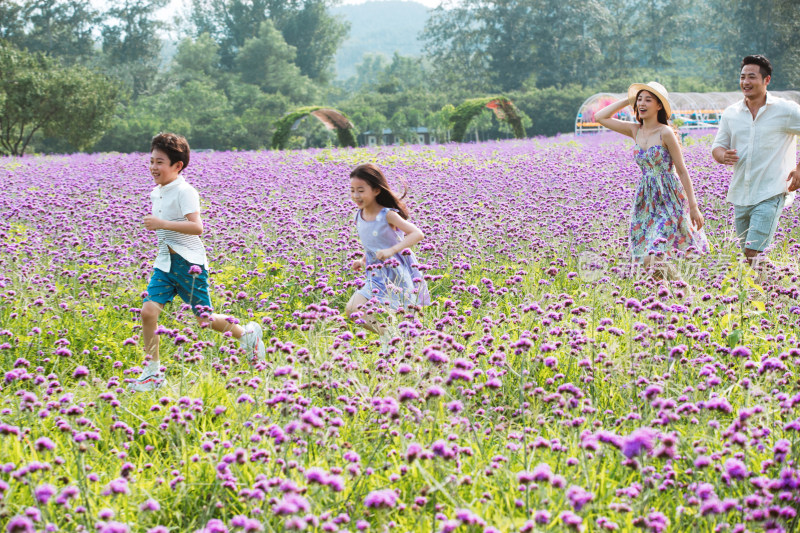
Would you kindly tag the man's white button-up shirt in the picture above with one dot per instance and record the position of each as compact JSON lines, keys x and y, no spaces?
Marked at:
{"x":766,"y":147}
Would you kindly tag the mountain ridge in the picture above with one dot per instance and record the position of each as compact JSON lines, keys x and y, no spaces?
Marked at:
{"x":382,"y":27}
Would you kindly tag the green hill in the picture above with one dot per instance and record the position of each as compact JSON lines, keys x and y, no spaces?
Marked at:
{"x":379,"y":27}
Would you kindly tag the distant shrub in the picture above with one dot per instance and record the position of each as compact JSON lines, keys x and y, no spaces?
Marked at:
{"x":552,"y":109}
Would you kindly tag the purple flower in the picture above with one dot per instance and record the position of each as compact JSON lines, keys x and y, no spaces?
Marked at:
{"x":571,"y":520}
{"x":68,"y":493}
{"x":657,"y":522}
{"x":413,"y":451}
{"x":638,"y":441}
{"x":542,"y":473}
{"x":43,"y":493}
{"x":150,"y":505}
{"x":455,"y":406}
{"x":434,"y":391}
{"x":291,"y":504}
{"x":117,"y":486}
{"x":336,"y":483}
{"x":705,"y":491}
{"x":406,"y":394}
{"x":114,"y":527}
{"x":436,"y":357}
{"x":382,"y":498}
{"x":247,"y":524}
{"x":735,"y":468}
{"x":215,"y":526}
{"x":316,"y":475}
{"x":578,"y":497}
{"x":468,"y":517}
{"x":741,"y":351}
{"x":20,"y":524}
{"x":43,"y":443}
{"x":702,"y":461}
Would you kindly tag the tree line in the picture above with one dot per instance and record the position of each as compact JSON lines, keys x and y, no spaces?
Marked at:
{"x":76,"y":78}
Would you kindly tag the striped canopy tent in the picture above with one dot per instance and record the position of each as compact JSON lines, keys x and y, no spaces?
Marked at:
{"x":690,"y":110}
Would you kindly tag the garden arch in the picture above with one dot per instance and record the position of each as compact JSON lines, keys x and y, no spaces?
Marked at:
{"x":331,"y":118}
{"x":503,"y":108}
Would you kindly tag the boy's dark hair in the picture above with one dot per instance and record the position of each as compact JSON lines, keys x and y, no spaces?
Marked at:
{"x":175,"y":146}
{"x":375,"y":178}
{"x":763,"y":64}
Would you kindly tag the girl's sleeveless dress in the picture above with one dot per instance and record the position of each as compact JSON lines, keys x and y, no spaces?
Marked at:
{"x":660,"y":221}
{"x":397,"y":280}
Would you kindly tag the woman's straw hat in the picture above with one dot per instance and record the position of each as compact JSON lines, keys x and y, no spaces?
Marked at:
{"x":652,"y":87}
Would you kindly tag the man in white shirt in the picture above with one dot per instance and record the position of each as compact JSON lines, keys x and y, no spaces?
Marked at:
{"x":757,"y":137}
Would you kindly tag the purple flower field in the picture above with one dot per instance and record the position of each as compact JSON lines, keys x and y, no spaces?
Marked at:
{"x":535,"y":394}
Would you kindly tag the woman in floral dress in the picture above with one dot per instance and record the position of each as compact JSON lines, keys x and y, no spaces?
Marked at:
{"x":665,"y":217}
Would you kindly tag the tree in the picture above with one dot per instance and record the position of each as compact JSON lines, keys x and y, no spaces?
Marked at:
{"x":196,"y":59}
{"x":11,"y":24}
{"x":500,"y":44}
{"x":455,"y":43}
{"x":58,"y":28}
{"x":403,"y":74}
{"x":367,"y":72}
{"x":267,"y":61}
{"x":304,"y":24}
{"x":490,"y":45}
{"x":768,"y":27}
{"x":316,"y":35}
{"x":131,"y":44}
{"x":567,"y":34}
{"x":203,"y":114}
{"x":40,"y":96}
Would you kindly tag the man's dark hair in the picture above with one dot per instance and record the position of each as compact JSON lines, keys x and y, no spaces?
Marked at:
{"x":175,"y":146}
{"x":763,"y":64}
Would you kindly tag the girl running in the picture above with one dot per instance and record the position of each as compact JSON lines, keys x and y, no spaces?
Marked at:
{"x":392,"y":277}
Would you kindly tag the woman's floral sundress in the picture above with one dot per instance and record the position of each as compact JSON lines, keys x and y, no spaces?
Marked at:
{"x":660,"y":222}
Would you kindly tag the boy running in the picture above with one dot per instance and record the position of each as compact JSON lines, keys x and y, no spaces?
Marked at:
{"x":181,"y":264}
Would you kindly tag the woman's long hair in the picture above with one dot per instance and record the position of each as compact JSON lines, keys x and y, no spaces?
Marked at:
{"x":375,"y":178}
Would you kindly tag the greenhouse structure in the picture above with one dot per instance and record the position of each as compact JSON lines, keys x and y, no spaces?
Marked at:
{"x":689,"y":110}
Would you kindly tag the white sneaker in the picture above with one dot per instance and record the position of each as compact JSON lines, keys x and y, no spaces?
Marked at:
{"x":253,"y":344}
{"x":151,"y":378}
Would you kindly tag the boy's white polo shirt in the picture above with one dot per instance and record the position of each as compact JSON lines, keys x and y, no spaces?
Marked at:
{"x":173,"y":202}
{"x":766,"y":147}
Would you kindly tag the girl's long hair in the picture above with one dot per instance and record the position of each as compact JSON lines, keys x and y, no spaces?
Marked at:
{"x":386,"y":197}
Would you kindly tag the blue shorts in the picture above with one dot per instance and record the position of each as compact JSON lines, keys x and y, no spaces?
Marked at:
{"x":193,"y":290}
{"x":756,"y":224}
